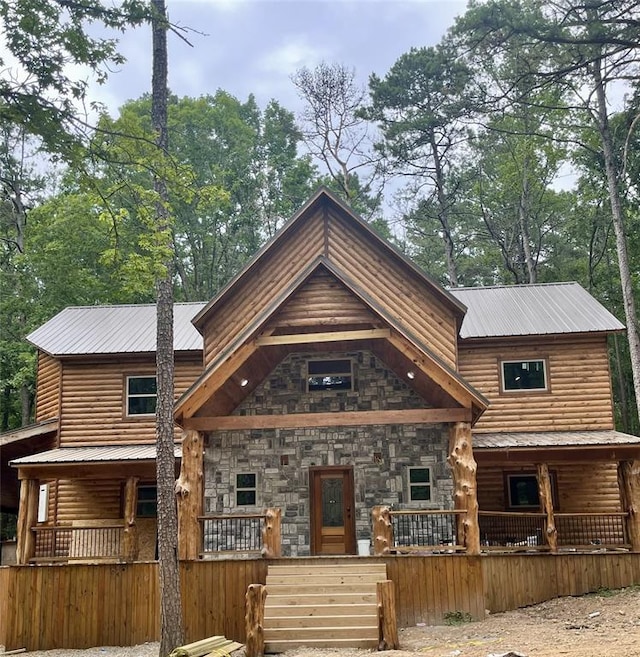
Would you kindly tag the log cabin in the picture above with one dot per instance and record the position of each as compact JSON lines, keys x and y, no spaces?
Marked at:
{"x":332,"y":399}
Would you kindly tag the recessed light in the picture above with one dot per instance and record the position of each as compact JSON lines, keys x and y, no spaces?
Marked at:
{"x":244,"y":382}
{"x":411,"y":374}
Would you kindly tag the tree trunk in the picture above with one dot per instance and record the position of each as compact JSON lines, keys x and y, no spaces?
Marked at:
{"x":464,"y":467}
{"x":631,"y":317}
{"x":130,"y":543}
{"x":254,"y":619}
{"x":382,"y":530}
{"x":27,"y":518}
{"x":171,"y":629}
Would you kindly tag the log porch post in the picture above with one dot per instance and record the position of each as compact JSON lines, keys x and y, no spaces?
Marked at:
{"x":189,"y":492}
{"x":382,"y":530}
{"x":546,"y":503}
{"x":27,"y":518}
{"x":130,"y":544}
{"x":629,"y":485}
{"x":254,"y":619}
{"x":272,"y":534}
{"x":465,"y":495}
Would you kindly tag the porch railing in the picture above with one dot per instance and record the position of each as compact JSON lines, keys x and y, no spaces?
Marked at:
{"x":592,"y":530}
{"x":249,"y":533}
{"x":504,"y":530}
{"x":418,"y":530}
{"x":65,"y":542}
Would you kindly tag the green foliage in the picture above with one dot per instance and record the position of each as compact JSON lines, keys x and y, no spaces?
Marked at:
{"x":457,"y":617}
{"x":8,"y":526}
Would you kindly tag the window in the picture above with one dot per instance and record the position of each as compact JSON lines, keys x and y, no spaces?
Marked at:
{"x":246,"y":493}
{"x":147,"y":506}
{"x":330,"y":375}
{"x":419,"y":484}
{"x":141,"y":395}
{"x":523,"y":491}
{"x":524,"y":375}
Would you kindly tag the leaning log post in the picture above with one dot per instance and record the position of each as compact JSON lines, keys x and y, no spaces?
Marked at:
{"x":629,"y":485}
{"x":189,"y":495}
{"x":546,"y":504}
{"x":272,"y":534}
{"x":27,"y":518}
{"x":382,"y":530}
{"x":388,"y":623}
{"x":254,"y":619}
{"x":130,"y":543}
{"x":464,"y":467}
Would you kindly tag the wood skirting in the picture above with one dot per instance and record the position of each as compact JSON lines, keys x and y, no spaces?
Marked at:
{"x":78,"y":606}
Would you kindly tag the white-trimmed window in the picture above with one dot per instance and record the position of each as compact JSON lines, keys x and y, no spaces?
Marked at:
{"x":523,"y":375}
{"x":246,"y":489}
{"x":419,"y":482}
{"x":142,"y":395}
{"x":335,"y":374}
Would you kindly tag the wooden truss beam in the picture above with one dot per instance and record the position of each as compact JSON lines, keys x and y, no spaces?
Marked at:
{"x":327,"y":336}
{"x":349,"y":418}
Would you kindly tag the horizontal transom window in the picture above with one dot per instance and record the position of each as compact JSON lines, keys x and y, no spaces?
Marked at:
{"x":330,"y":374}
{"x":524,"y":375}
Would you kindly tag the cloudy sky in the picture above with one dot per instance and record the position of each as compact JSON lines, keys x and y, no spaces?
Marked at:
{"x":253,"y":46}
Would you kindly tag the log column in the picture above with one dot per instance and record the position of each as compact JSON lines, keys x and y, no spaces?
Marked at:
{"x":254,"y":619}
{"x":130,"y":547}
{"x":629,"y":484}
{"x":27,"y":518}
{"x":189,"y":491}
{"x":382,"y":530}
{"x":272,"y":534}
{"x":546,"y":504}
{"x":464,"y":467}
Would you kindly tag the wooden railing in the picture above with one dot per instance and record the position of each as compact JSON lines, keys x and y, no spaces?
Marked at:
{"x":592,"y":530}
{"x":65,"y":542}
{"x":418,"y":530}
{"x":579,"y":531}
{"x":250,"y":534}
{"x":512,"y":530}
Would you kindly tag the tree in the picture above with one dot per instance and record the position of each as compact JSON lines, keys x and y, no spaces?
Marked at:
{"x":419,"y":105}
{"x":589,"y":47}
{"x":337,"y":135}
{"x":171,"y":628}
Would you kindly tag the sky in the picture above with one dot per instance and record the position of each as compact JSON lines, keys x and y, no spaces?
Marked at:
{"x":254,"y":46}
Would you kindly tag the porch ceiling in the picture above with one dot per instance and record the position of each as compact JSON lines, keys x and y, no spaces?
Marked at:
{"x":555,"y":446}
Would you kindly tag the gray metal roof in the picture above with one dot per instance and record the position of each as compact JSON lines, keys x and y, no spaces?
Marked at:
{"x":510,"y":310}
{"x":546,"y":309}
{"x":114,"y":330}
{"x":97,"y":454}
{"x":552,"y":439}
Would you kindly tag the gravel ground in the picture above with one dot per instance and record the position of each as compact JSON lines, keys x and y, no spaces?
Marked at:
{"x":598,"y":625}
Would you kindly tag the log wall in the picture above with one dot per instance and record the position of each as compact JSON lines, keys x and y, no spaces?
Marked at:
{"x":597,"y":487}
{"x":48,"y":388}
{"x":93,"y":401}
{"x":78,"y":606}
{"x":578,"y":374}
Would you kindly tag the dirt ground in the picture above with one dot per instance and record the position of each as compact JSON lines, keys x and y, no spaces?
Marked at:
{"x":605,"y":624}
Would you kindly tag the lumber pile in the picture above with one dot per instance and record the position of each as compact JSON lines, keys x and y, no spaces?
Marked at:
{"x":214,"y":646}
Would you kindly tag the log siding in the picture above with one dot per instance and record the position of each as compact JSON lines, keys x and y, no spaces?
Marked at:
{"x":579,"y":395}
{"x":48,"y":387}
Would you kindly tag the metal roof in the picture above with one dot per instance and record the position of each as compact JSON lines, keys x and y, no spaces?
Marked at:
{"x":94,"y":454}
{"x":28,"y":432}
{"x":114,"y":330}
{"x":545,"y":309}
{"x":502,"y":311}
{"x":526,"y":440}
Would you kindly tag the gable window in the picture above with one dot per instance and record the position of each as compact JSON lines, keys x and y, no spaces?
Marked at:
{"x":330,"y":375}
{"x":246,"y":489}
{"x":523,"y":375}
{"x":419,"y":484}
{"x":147,"y":506}
{"x":141,"y":395}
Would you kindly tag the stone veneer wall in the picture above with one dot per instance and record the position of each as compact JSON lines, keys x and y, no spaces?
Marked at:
{"x":281,"y":457}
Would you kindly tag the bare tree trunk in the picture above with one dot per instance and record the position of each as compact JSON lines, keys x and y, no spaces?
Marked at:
{"x":631,"y":317}
{"x":524,"y":226}
{"x":171,"y":628}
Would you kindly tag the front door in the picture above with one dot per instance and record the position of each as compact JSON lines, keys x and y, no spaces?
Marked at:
{"x":333,"y":529}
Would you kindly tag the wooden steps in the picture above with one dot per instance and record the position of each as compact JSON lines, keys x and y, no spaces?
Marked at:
{"x":322,"y":606}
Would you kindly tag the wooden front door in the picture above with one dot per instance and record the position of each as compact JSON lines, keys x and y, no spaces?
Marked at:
{"x":333,"y":528}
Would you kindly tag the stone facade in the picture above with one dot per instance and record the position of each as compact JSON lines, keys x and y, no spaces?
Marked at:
{"x":280,"y":458}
